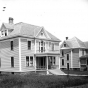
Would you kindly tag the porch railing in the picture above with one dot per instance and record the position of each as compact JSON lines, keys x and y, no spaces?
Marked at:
{"x":41,"y":67}
{"x":47,"y":51}
{"x":49,"y":67}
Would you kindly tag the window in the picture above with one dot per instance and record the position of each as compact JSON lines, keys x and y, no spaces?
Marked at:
{"x":29,"y":45}
{"x":39,"y":46}
{"x":12,"y":61}
{"x":54,"y":60}
{"x":67,"y":56}
{"x":2,"y":33}
{"x":0,"y":62}
{"x":62,"y":61}
{"x":11,"y":45}
{"x":31,"y":60}
{"x":62,"y":53}
{"x":82,"y":52}
{"x":42,"y":46}
{"x":64,"y":45}
{"x":52,"y":46}
{"x":27,"y":61}
{"x":41,"y":33}
{"x":5,"y":32}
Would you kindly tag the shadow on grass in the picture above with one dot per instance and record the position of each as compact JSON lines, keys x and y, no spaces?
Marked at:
{"x":40,"y":81}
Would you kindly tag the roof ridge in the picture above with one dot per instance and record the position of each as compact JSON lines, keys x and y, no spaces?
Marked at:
{"x":77,"y":41}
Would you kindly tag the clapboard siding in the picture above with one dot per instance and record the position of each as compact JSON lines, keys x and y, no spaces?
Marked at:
{"x":6,"y":54}
{"x":65,"y":59}
{"x":76,"y":58}
{"x":57,"y":60}
{"x":25,"y":52}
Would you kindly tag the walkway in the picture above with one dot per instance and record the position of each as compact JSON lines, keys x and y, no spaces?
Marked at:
{"x":57,"y":72}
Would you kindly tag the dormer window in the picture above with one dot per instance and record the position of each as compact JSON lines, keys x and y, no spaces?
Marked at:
{"x":64,"y":45}
{"x":2,"y":33}
{"x":5,"y":32}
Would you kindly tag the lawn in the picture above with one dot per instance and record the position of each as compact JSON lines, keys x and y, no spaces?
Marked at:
{"x":76,"y":72}
{"x":40,"y":81}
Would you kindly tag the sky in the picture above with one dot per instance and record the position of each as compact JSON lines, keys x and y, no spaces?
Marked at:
{"x":62,"y":18}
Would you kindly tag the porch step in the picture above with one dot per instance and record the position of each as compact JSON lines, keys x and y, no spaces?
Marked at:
{"x":56,"y":72}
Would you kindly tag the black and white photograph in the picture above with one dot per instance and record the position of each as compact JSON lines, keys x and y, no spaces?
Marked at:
{"x":43,"y":43}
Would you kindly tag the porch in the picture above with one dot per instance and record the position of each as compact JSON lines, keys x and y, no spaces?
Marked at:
{"x":84,"y":62}
{"x":45,"y":61}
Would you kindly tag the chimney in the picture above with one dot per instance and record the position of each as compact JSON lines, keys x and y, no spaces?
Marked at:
{"x":66,"y":38}
{"x":11,"y":20}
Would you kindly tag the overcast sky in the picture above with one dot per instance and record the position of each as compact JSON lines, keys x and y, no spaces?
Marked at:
{"x":62,"y":18}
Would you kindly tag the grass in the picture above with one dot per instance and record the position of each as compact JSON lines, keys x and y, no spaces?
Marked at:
{"x":40,"y":81}
{"x":77,"y":72}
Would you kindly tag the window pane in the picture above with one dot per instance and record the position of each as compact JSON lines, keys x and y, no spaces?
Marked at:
{"x":12,"y":61}
{"x":54,"y":61}
{"x":62,"y":61}
{"x":41,"y":49}
{"x":31,"y":61}
{"x":11,"y":45}
{"x":52,"y":46}
{"x":27,"y":61}
{"x":39,"y":46}
{"x":67,"y":56}
{"x":29,"y":45}
{"x":41,"y":43}
{"x":64,"y":45}
{"x":62,"y":53}
{"x":0,"y":62}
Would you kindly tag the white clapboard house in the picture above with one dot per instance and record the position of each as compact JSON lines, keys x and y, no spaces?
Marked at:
{"x":74,"y":54}
{"x":25,"y":47}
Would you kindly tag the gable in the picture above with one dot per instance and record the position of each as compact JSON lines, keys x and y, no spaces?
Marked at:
{"x":42,"y":34}
{"x":3,"y":27}
{"x":64,"y":44}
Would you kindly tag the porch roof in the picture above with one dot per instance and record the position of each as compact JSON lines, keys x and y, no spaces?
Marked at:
{"x":47,"y":54}
{"x":84,"y":56}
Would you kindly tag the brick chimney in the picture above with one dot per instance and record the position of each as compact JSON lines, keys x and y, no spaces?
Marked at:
{"x":66,"y":38}
{"x":11,"y":20}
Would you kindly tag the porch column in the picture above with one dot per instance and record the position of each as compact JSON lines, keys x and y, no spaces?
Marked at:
{"x":35,"y":62}
{"x":47,"y":64}
{"x":35,"y":45}
{"x":80,"y":54}
{"x":59,"y":62}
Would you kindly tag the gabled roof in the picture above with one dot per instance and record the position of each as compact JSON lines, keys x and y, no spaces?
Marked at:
{"x":27,"y":30}
{"x":7,"y":25}
{"x":75,"y":43}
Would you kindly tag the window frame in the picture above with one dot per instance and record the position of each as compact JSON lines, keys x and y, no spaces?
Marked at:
{"x":62,"y":62}
{"x":0,"y":62}
{"x":30,"y":61}
{"x":42,"y":46}
{"x":27,"y":61}
{"x":62,"y":53}
{"x":29,"y":46}
{"x":11,"y":44}
{"x":64,"y":44}
{"x":67,"y":57}
{"x":12,"y":62}
{"x":52,"y":46}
